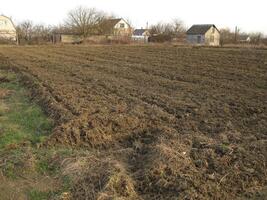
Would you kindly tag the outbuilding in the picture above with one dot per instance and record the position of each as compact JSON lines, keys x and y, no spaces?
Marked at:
{"x":203,"y":34}
{"x":141,"y":35}
{"x":67,"y":38}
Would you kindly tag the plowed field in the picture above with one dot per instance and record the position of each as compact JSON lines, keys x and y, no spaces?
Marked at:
{"x":165,"y":122}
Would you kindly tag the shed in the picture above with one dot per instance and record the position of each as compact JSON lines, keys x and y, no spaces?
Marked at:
{"x":67,"y":38}
{"x":141,"y":35}
{"x":203,"y":34}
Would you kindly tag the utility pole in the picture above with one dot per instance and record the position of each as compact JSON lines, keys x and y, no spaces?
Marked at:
{"x":236,"y":32}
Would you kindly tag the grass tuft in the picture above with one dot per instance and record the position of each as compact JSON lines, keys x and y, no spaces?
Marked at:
{"x":38,"y":195}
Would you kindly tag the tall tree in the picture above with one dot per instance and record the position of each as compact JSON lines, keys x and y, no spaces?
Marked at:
{"x":25,"y":30}
{"x":179,"y":27}
{"x":173,"y":29}
{"x":84,"y":21}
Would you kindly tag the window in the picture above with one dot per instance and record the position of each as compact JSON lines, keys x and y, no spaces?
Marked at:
{"x":122,"y":25}
{"x":213,"y":30}
{"x":212,"y":38}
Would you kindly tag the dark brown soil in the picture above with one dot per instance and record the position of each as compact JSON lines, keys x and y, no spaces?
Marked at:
{"x":167,"y":122}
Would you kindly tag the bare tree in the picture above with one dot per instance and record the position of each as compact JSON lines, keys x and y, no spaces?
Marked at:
{"x":25,"y":30}
{"x":256,"y":38}
{"x":162,"y":32}
{"x":30,"y":33}
{"x":174,"y":28}
{"x":178,"y":27}
{"x":84,"y":21}
{"x":162,"y":28}
{"x":238,"y":37}
{"x":42,"y":33}
{"x":226,"y":36}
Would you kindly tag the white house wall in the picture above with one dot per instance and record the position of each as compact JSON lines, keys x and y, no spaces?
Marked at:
{"x":125,"y":31}
{"x":7,"y":29}
{"x":70,"y":39}
{"x":140,"y":38}
{"x":216,"y":35}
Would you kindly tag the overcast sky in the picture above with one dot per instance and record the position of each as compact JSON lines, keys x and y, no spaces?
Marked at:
{"x":246,"y":14}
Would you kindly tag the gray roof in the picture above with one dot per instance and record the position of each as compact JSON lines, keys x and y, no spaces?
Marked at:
{"x":139,"y":32}
{"x":200,"y":29}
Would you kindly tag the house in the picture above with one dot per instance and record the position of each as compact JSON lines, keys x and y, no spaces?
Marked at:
{"x":67,"y":38}
{"x":244,"y":39}
{"x":203,"y":34}
{"x":141,"y":35}
{"x":7,"y":29}
{"x":115,"y":27}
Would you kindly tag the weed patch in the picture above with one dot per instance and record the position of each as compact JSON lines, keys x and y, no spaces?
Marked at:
{"x":21,"y":120}
{"x":38,"y":195}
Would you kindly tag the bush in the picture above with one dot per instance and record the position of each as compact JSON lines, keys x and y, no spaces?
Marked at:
{"x":6,"y":41}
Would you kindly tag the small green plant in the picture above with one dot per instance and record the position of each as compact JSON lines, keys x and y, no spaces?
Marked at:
{"x":13,"y":162}
{"x":38,"y":195}
{"x":9,"y":170}
{"x":44,"y":167}
{"x":66,"y":183}
{"x":222,"y":149}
